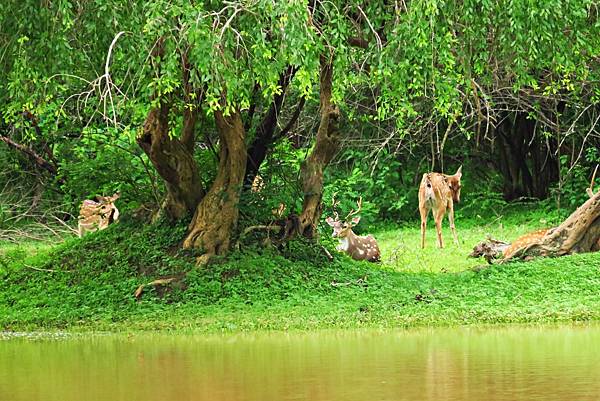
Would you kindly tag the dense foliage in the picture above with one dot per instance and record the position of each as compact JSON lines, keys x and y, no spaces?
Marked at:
{"x":367,"y":94}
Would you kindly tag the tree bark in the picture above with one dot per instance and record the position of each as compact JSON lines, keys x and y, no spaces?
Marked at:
{"x":264,"y":137}
{"x":326,"y":146}
{"x":577,"y":234}
{"x":173,"y":160}
{"x":173,"y":157}
{"x":217,"y":214}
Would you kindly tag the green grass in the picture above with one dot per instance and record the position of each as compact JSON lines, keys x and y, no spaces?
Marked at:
{"x":88,"y":284}
{"x":401,"y":248}
{"x":20,"y":250}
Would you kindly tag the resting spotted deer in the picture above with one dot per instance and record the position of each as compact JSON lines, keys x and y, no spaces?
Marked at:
{"x":522,"y":242}
{"x":438,"y":192}
{"x":97,"y":214}
{"x":357,"y":247}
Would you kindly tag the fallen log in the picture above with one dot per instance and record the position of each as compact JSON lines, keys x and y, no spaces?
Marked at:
{"x":579,"y":233}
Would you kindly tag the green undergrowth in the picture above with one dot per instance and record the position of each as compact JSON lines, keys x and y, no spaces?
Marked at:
{"x":89,"y":284}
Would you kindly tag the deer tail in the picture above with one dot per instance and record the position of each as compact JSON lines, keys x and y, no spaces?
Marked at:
{"x":429,"y":192}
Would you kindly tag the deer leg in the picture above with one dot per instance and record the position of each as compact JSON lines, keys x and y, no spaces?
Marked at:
{"x":451,"y":219}
{"x":439,"y":216}
{"x":424,"y":212}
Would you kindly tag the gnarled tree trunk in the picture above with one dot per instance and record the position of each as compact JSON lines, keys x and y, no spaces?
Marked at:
{"x":217,"y":214}
{"x":173,"y":157}
{"x":577,"y":234}
{"x":174,"y":161}
{"x":326,"y":146}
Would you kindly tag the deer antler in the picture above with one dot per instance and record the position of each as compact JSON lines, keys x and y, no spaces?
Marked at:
{"x":590,"y":190}
{"x":354,"y":212}
{"x":334,"y":205}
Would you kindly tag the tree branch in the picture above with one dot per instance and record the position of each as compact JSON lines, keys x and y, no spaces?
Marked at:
{"x":292,"y":120}
{"x":192,"y":99}
{"x":264,"y":137}
{"x":39,"y":160}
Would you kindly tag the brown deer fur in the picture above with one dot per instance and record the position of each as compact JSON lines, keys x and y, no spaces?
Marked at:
{"x":97,"y":214}
{"x":357,"y":247}
{"x":523,"y":241}
{"x":438,"y":192}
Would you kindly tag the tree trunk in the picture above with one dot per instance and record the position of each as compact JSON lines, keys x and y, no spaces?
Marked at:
{"x":326,"y":146}
{"x":217,"y":215}
{"x":577,"y":234}
{"x":265,"y":132}
{"x":173,"y":160}
{"x":527,"y":165}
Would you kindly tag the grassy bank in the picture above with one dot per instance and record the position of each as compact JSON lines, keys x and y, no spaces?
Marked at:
{"x":88,"y":284}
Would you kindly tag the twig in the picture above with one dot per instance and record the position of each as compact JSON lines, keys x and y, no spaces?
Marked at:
{"x":327,"y":253}
{"x":361,"y":281}
{"x":379,"y":43}
{"x":268,"y":228}
{"x":590,"y":190}
{"x":47,"y":270}
{"x":104,"y":85}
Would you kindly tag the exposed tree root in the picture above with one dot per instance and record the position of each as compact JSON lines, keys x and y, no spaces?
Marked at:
{"x":162,"y":285}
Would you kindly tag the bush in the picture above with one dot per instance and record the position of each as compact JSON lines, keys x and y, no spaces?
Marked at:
{"x":104,"y":162}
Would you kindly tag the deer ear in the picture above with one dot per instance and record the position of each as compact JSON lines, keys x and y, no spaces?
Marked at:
{"x":458,"y":172}
{"x":330,"y":221}
{"x":355,"y":220}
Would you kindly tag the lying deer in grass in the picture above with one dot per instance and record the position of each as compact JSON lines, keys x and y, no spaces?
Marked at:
{"x":358,"y":247}
{"x":438,"y":192}
{"x":97,"y":214}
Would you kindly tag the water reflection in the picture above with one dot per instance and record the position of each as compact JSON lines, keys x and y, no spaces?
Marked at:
{"x":559,"y":363}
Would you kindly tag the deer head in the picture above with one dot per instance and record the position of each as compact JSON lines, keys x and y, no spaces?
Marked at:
{"x":108,"y":207}
{"x":341,"y":229}
{"x":454,"y":184}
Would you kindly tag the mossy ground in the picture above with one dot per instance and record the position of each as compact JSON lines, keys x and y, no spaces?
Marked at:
{"x":88,"y":284}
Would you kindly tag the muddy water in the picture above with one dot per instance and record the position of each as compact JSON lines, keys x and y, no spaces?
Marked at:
{"x":551,"y":363}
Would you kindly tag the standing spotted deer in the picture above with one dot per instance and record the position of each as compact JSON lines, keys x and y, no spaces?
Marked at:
{"x":357,"y":247}
{"x":437,"y":193}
